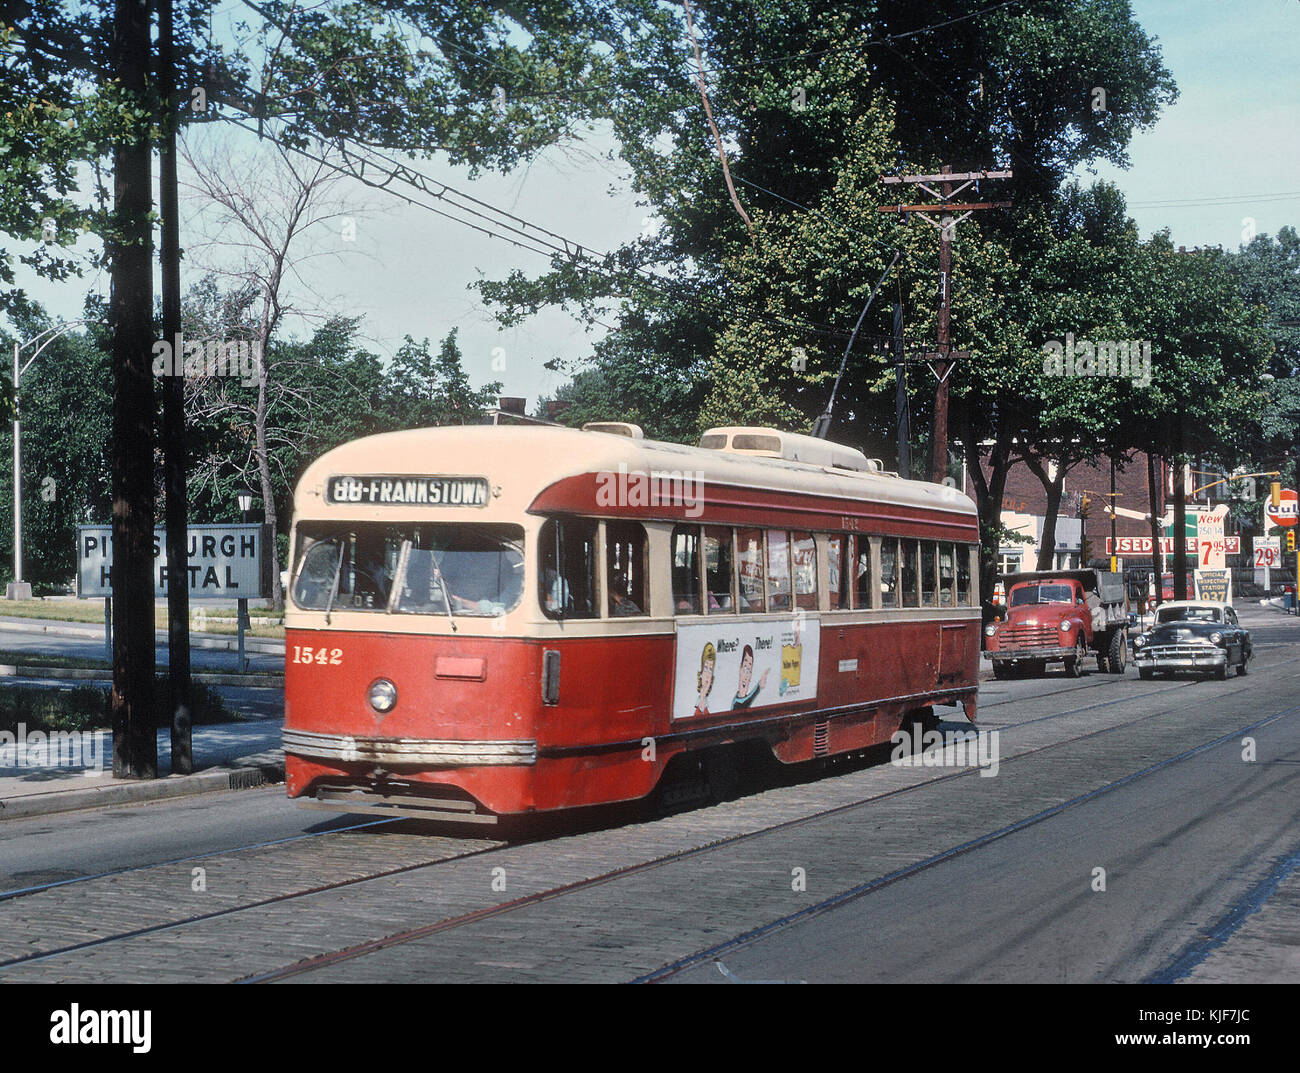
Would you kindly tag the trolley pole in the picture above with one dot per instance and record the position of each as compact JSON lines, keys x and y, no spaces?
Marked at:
{"x":944,"y":358}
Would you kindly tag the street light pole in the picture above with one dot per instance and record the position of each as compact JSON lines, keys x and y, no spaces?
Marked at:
{"x":19,"y":589}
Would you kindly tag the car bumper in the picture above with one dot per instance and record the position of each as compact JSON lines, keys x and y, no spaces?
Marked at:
{"x":1183,"y":657}
{"x":1021,"y":655}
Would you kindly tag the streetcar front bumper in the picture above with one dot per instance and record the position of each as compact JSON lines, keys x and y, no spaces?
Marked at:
{"x":424,"y":752}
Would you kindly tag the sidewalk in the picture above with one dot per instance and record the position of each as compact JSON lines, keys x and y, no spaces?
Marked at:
{"x":227,"y":756}
{"x":86,"y":631}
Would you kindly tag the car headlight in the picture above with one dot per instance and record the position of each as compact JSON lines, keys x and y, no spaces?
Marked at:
{"x":990,"y":630}
{"x":1216,"y":637}
{"x":382,"y":695}
{"x":1066,"y":627}
{"x":1138,"y":642}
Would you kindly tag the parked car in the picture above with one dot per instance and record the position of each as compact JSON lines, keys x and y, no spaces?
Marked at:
{"x":1193,"y":635}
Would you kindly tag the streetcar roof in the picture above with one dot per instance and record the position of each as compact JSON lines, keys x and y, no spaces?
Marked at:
{"x":520,"y":462}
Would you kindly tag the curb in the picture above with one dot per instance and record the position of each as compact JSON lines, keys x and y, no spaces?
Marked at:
{"x":105,"y":674}
{"x":260,"y":773}
{"x":59,"y":628}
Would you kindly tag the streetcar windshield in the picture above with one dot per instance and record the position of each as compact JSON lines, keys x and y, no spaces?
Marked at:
{"x":409,"y":569}
{"x":1042,"y":594}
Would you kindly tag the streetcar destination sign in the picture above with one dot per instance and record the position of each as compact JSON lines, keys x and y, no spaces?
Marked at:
{"x":225,"y":561}
{"x":382,"y":490}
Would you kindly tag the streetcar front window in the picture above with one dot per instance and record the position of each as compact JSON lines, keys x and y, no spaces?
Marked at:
{"x":474,"y":570}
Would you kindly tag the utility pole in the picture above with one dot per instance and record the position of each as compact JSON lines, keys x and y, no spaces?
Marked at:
{"x":944,"y":358}
{"x":173,"y":424}
{"x":900,"y":398}
{"x":130,"y":248}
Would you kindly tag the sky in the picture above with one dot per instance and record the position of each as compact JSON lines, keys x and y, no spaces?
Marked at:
{"x":1224,"y":160}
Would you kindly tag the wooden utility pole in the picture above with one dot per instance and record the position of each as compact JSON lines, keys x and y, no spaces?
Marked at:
{"x":130,"y":248}
{"x":943,"y":359}
{"x":173,"y":423}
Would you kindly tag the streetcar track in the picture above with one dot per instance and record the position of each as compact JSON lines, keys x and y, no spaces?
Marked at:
{"x":19,"y":892}
{"x":487,"y":912}
{"x":409,"y":935}
{"x":853,"y":893}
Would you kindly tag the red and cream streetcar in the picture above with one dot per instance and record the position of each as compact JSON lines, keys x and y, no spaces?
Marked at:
{"x":498,"y":620}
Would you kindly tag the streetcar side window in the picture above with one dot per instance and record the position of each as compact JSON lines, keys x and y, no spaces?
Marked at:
{"x":749,"y":563}
{"x":719,"y":578}
{"x":909,"y":552}
{"x":889,"y":573}
{"x":947,"y":574}
{"x":778,"y":570}
{"x":862,"y":574}
{"x":838,"y":561}
{"x":686,"y":569}
{"x":625,"y":559}
{"x":963,"y":575}
{"x":568,"y":568}
{"x":929,"y":578}
{"x":803,"y":561}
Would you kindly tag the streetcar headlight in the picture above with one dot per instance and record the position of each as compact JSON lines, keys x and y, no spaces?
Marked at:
{"x":1216,"y":637}
{"x":990,"y":630}
{"x":382,"y":695}
{"x":1066,"y":626}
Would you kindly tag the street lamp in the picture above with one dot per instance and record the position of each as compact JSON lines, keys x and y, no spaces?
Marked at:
{"x":245,"y":499}
{"x":19,"y":589}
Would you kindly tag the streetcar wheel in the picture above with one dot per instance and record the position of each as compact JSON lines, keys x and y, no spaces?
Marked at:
{"x":1074,"y":664}
{"x":1118,"y":652}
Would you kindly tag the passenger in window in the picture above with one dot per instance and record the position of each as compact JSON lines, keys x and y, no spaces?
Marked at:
{"x":556,"y":590}
{"x":620,"y":604}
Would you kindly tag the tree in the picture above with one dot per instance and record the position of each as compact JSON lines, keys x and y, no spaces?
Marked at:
{"x":426,"y":389}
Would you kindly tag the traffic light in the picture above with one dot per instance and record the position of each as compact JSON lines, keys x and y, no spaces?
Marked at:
{"x":1275,"y":494}
{"x":1290,"y":541}
{"x":1084,"y":504}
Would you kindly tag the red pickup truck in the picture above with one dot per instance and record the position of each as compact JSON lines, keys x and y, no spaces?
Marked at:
{"x":1060,"y":615}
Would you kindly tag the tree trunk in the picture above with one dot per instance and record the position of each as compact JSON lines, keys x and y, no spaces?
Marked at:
{"x":988,"y":503}
{"x":130,"y":247}
{"x":1054,"y":487}
{"x":173,"y":426}
{"x":1153,"y":494}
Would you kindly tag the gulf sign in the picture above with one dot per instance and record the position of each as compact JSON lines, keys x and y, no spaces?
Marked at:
{"x":1286,"y":511}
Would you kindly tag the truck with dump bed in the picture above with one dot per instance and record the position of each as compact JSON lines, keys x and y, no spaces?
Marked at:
{"x":1060,"y":615}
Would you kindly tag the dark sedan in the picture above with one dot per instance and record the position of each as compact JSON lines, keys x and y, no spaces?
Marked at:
{"x":1196,"y":636}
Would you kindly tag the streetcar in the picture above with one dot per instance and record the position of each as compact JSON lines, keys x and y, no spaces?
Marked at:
{"x":489,"y":621}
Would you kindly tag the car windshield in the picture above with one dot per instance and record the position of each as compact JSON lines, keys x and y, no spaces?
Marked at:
{"x":1188,"y":614}
{"x":409,"y":569}
{"x":1042,"y":594}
